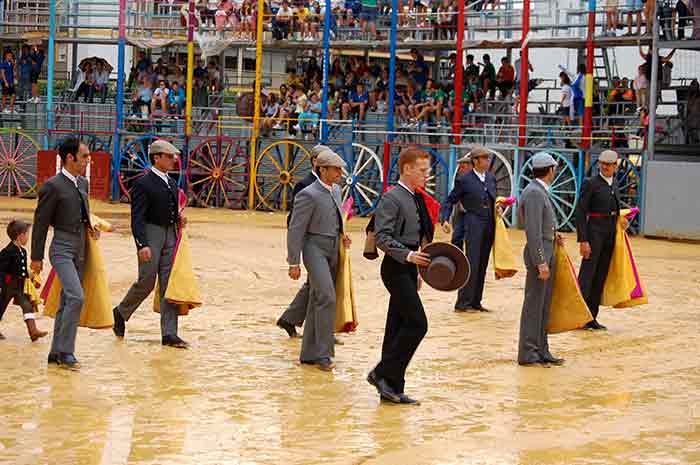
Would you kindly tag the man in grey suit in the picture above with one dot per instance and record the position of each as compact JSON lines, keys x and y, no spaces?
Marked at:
{"x":314,"y":232}
{"x":536,"y":214}
{"x":63,"y":204}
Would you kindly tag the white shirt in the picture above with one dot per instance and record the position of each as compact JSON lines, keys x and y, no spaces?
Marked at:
{"x":608,"y":180}
{"x":326,"y":186}
{"x":73,"y":179}
{"x":481,"y":176}
{"x":161,"y":175}
{"x":567,"y":95}
{"x":102,"y":77}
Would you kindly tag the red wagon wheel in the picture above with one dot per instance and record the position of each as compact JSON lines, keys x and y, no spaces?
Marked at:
{"x":18,"y":157}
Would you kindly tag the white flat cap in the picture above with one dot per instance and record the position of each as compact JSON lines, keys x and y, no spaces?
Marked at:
{"x":608,"y":156}
{"x":543,"y":160}
{"x":163,"y":146}
{"x":329,"y":158}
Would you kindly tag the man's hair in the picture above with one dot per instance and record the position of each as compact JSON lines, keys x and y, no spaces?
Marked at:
{"x":487,"y":57}
{"x":541,"y":172}
{"x":470,"y":57}
{"x":411,"y":155}
{"x":15,"y":228}
{"x":70,"y":146}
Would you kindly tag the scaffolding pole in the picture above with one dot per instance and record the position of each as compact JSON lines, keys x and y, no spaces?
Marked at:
{"x":588,"y":101}
{"x":524,"y":75}
{"x":121,"y":70}
{"x":326,"y":70}
{"x":50,"y":70}
{"x":256,"y":112}
{"x":392,"y":67}
{"x":459,"y":75}
{"x":190,"y":68}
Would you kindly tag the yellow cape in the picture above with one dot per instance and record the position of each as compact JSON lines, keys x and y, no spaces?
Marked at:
{"x":345,"y":310}
{"x":568,"y":310}
{"x":97,"y":306}
{"x":502,"y":250}
{"x":183,"y":290}
{"x":623,"y":286}
{"x":31,"y":285}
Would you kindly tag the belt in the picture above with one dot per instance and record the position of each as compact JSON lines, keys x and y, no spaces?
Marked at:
{"x":602,"y":215}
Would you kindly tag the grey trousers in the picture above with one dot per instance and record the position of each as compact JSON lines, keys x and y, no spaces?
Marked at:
{"x":296,"y":312}
{"x":162,"y":241}
{"x":67,"y":256}
{"x":533,"y":344}
{"x":320,"y":254}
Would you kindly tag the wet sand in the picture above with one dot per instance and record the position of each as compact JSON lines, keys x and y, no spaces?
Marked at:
{"x":630,"y":395}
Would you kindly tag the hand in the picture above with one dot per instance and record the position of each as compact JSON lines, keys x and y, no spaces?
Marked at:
{"x":544,"y":271}
{"x":145,"y":255}
{"x":94,"y":233}
{"x":347,"y":242}
{"x":294,"y":272}
{"x":585,"y":249}
{"x":560,"y":239}
{"x":625,"y":223}
{"x":499,"y":210}
{"x":183,"y":221}
{"x":419,"y":258}
{"x":447,"y":227}
{"x":37,"y":266}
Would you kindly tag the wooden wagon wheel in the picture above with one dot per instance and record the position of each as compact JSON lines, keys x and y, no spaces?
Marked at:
{"x":277,"y":169}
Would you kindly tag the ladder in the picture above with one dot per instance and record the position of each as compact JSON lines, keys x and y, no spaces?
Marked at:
{"x":605,"y":66}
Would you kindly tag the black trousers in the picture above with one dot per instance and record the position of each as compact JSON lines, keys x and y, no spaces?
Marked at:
{"x":15,"y":293}
{"x":479,"y":234}
{"x":406,"y":323}
{"x":594,"y":271}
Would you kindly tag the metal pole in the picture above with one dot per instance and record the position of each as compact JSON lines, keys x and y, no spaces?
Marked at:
{"x":588,"y":102}
{"x":256,"y":113}
{"x":121,"y":70}
{"x":459,"y":75}
{"x":524,"y":75}
{"x":392,"y":68}
{"x":190,"y":69}
{"x":50,"y":71}
{"x":326,"y":70}
{"x":653,"y":88}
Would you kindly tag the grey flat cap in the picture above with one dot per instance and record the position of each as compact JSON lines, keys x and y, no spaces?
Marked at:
{"x":329,"y":158}
{"x":163,"y":146}
{"x":479,"y":151}
{"x":318,"y":149}
{"x":543,"y":160}
{"x":608,"y":156}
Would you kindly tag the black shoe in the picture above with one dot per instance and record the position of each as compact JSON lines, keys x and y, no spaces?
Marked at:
{"x":535,"y":363}
{"x":383,"y":388}
{"x":407,"y":400}
{"x":598,"y":327}
{"x":552,"y":360}
{"x":326,"y":364}
{"x":290,"y":328}
{"x":119,"y":327}
{"x":53,"y":358}
{"x":68,"y":361}
{"x":176,"y":342}
{"x":464,"y":309}
{"x":482,"y":309}
{"x":589,"y":326}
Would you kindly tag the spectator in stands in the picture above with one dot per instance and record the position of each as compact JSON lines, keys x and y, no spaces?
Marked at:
{"x":139,"y":69}
{"x":471,"y":68}
{"x":142,"y":99}
{"x":488,"y":77}
{"x":634,"y":8}
{"x":566,"y":104}
{"x":160,"y":96}
{"x":176,"y":99}
{"x":248,"y":20}
{"x":610,"y":26}
{"x":200,"y":92}
{"x":434,"y":102}
{"x":101,"y":84}
{"x":692,"y":114}
{"x":24,"y":66}
{"x":283,"y":19}
{"x":221,"y":18}
{"x":86,"y":87}
{"x":7,"y":75}
{"x":649,"y":9}
{"x":445,"y":15}
{"x":418,"y":70}
{"x":308,"y":120}
{"x":271,"y":114}
{"x":213,"y":75}
{"x":357,"y":103}
{"x":37,"y":57}
{"x":505,"y":79}
{"x":641,"y":86}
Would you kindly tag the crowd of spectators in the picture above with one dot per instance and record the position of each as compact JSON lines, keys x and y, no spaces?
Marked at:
{"x":674,"y":18}
{"x":20,"y":77}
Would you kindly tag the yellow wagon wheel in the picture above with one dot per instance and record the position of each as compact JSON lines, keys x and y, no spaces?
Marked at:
{"x":18,"y":162}
{"x":277,"y":169}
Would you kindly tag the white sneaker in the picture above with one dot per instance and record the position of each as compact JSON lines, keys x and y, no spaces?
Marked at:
{"x":7,"y":111}
{"x":296,"y":127}
{"x":277,"y":126}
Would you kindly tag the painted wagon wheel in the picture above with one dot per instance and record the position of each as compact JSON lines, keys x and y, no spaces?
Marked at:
{"x":629,"y":182}
{"x":563,"y":191}
{"x":437,"y":182}
{"x":277,"y":169}
{"x":218,"y":172}
{"x":134,"y":163}
{"x":18,"y":159}
{"x":362,"y":180}
{"x":501,"y":168}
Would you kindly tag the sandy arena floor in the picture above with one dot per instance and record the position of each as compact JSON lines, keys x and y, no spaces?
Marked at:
{"x":627,"y":396}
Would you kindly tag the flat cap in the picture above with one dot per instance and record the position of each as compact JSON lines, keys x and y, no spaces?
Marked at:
{"x":163,"y":146}
{"x":465,"y":159}
{"x":316,"y":149}
{"x":329,"y":158}
{"x":608,"y":156}
{"x":479,"y":151}
{"x":543,"y":160}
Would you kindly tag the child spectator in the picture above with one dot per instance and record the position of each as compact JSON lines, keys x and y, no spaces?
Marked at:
{"x":160,"y":96}
{"x":505,"y":79}
{"x":176,"y":99}
{"x":17,"y":283}
{"x":142,"y":99}
{"x":7,"y":75}
{"x":566,"y":109}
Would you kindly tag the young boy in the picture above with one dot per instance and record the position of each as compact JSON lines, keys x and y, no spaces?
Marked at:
{"x":7,"y":78}
{"x":14,"y":274}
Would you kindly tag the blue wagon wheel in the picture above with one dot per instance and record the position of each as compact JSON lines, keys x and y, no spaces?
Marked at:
{"x":362,"y":180}
{"x":437,"y":182}
{"x":134,"y":163}
{"x":563,"y":190}
{"x":629,"y":181}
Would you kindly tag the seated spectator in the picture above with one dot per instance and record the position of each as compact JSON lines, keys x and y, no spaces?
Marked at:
{"x":357,"y":103}
{"x":176,"y":99}
{"x":86,"y":88}
{"x":433,"y":103}
{"x":471,"y":68}
{"x":101,"y":82}
{"x":142,"y":99}
{"x":505,"y":79}
{"x":137,"y":71}
{"x":316,"y":106}
{"x":308,"y":120}
{"x":271,"y":115}
{"x":488,"y":77}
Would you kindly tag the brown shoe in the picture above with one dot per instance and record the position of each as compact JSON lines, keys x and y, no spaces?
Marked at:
{"x":34,"y":332}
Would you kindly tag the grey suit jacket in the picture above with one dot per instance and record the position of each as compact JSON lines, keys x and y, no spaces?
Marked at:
{"x":536,"y":214}
{"x":58,"y":206}
{"x":396,"y":223}
{"x":316,"y":211}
